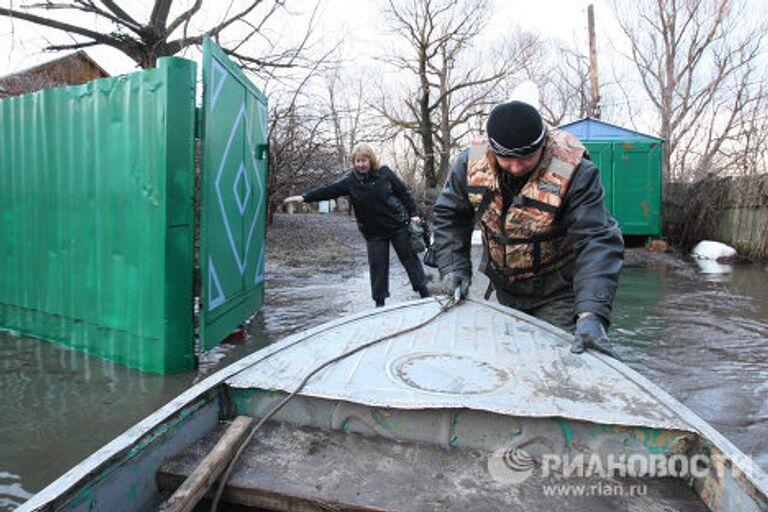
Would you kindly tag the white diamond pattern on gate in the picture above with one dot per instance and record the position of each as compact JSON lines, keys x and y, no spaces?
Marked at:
{"x":241,"y":203}
{"x":213,"y":283}
{"x":240,"y":254}
{"x":219,"y":76}
{"x":233,"y":175}
{"x":259,"y":276}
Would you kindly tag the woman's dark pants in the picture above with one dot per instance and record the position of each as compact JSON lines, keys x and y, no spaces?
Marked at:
{"x":378,"y":262}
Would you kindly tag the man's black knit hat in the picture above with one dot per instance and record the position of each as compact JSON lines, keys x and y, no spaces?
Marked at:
{"x":515,"y":129}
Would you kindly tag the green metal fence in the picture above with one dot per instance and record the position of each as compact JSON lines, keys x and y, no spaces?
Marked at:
{"x":97,"y":216}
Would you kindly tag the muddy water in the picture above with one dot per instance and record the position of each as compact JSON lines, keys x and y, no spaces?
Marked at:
{"x":702,"y":337}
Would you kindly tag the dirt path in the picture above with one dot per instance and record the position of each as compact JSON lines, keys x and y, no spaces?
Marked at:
{"x":305,"y":240}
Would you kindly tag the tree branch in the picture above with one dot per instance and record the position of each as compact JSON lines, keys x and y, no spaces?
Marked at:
{"x":47,"y":22}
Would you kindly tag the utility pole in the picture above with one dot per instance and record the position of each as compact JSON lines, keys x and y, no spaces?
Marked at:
{"x":594,"y":106}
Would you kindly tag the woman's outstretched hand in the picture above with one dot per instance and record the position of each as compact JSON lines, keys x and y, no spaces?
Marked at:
{"x":293,"y":199}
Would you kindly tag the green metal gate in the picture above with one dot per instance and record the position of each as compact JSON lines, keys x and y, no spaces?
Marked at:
{"x":97,"y":212}
{"x":233,"y":197}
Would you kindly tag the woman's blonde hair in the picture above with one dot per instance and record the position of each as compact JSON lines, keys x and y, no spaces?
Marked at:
{"x":363,"y":149}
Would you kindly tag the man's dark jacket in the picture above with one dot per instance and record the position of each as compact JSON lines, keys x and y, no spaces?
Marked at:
{"x":592,"y":277}
{"x":381,"y":200}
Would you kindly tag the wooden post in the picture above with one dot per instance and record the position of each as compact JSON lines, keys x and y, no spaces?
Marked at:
{"x":202,"y":478}
{"x":594,"y":105}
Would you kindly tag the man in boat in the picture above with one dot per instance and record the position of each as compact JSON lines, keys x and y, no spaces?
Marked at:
{"x":550,"y":248}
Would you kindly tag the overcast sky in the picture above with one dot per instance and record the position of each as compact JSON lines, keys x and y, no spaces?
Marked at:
{"x":21,"y":43}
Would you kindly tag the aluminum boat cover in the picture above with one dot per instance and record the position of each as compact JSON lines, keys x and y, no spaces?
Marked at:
{"x":476,"y":355}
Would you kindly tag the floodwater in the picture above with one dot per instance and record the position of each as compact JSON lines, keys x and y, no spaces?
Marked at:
{"x":701,"y":336}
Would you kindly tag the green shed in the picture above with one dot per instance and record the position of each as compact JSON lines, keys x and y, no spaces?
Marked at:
{"x":630,"y":169}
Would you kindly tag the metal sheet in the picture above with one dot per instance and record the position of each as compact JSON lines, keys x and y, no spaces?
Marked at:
{"x":601,"y":153}
{"x":475,"y":356}
{"x":589,"y":129}
{"x":233,"y":197}
{"x":637,"y":187}
{"x":96,"y":234}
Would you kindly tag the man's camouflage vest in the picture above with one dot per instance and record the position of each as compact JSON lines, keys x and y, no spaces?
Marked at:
{"x":524,"y":242}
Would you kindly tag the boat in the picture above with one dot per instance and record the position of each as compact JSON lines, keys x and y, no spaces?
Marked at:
{"x":424,"y":405}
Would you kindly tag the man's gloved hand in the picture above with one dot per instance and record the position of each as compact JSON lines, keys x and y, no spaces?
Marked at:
{"x":590,"y":333}
{"x":457,"y":279}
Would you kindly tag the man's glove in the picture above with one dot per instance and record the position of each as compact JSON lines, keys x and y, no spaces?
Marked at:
{"x":457,"y":279}
{"x":590,"y":333}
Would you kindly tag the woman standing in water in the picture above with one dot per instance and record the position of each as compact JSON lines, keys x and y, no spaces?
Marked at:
{"x":383,"y":206}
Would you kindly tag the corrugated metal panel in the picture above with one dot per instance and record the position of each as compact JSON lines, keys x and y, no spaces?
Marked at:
{"x":589,"y":129}
{"x":476,"y":356}
{"x":96,"y":235}
{"x":233,"y":197}
{"x":601,"y":153}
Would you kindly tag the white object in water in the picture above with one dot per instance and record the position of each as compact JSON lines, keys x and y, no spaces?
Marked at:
{"x":709,"y":250}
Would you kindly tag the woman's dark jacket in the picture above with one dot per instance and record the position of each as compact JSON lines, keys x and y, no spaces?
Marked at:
{"x":381,"y":200}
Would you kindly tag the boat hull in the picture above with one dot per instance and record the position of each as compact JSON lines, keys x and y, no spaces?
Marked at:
{"x":516,"y":391}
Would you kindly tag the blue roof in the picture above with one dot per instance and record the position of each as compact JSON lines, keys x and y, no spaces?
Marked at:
{"x":589,"y":129}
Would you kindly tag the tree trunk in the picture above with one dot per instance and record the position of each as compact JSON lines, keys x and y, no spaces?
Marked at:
{"x":426,"y":130}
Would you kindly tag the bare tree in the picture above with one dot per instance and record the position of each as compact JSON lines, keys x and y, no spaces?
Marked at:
{"x":145,"y":36}
{"x":567,"y":94}
{"x":748,"y":148}
{"x":696,"y":62}
{"x":449,"y":92}
{"x":345,"y":103}
{"x":301,"y":152}
{"x":562,"y":75}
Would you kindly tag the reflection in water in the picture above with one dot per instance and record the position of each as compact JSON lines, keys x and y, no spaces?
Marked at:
{"x":703,"y":341}
{"x":60,"y":405}
{"x":12,"y":494}
{"x":712,"y":269}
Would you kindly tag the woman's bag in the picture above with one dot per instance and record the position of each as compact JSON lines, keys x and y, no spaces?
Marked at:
{"x":421,"y":241}
{"x":419,"y":236}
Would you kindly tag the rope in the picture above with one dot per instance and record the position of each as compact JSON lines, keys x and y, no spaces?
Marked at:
{"x":445,"y":305}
